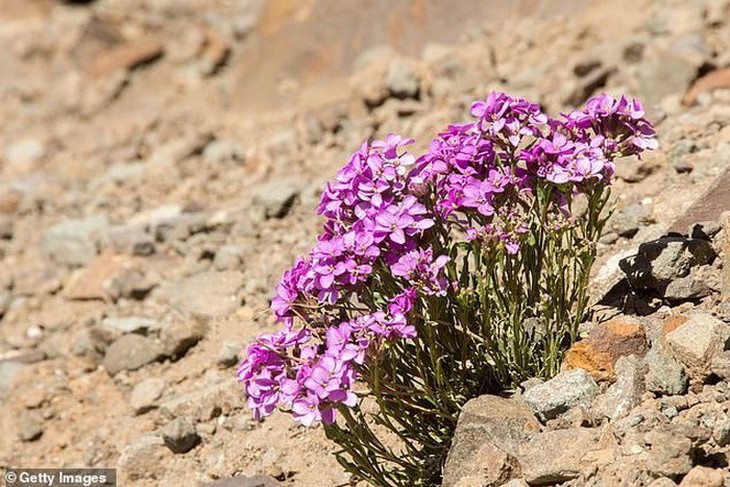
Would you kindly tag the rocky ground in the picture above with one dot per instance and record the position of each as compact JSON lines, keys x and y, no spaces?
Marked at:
{"x":160,"y":164}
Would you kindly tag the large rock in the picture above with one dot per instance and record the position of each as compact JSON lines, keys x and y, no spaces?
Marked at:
{"x":180,"y":335}
{"x":664,"y":374}
{"x":696,"y":341}
{"x":130,"y":352}
{"x":73,"y":242}
{"x":669,"y":454}
{"x":607,"y":343}
{"x":180,"y":435}
{"x":703,"y":477}
{"x":207,"y":294}
{"x":561,"y":393}
{"x":626,"y":393}
{"x":708,"y":207}
{"x":486,"y":440}
{"x":664,"y":73}
{"x":553,"y":457}
{"x":661,"y":261}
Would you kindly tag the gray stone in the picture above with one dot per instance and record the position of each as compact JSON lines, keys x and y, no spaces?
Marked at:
{"x":274,"y":199}
{"x":244,"y":481}
{"x":204,"y":404}
{"x":664,"y":73}
{"x":685,"y":289}
{"x":626,"y":392}
{"x":486,"y":440}
{"x":130,"y":352}
{"x":229,"y":355}
{"x":669,"y":454}
{"x":180,"y":436}
{"x":130,"y":240}
{"x":660,"y":261}
{"x":113,"y":327}
{"x":721,"y":432}
{"x":150,"y":218}
{"x":561,"y":393}
{"x":179,"y":227}
{"x":627,"y":222}
{"x":180,"y":335}
{"x":558,"y":456}
{"x":144,"y":396}
{"x":720,"y":365}
{"x":206,"y":294}
{"x":401,"y":79}
{"x":229,"y":258}
{"x":695,"y":342}
{"x":73,"y":242}
{"x":222,"y":151}
{"x":664,"y":375}
{"x":30,"y":427}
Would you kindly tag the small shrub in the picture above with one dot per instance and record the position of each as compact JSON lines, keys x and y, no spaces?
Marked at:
{"x":439,"y":278}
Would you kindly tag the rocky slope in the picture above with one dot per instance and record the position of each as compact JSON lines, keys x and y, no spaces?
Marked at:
{"x":160,"y":164}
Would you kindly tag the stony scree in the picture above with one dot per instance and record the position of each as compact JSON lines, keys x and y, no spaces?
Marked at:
{"x":141,"y":166}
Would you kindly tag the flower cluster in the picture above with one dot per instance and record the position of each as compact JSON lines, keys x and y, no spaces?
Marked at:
{"x":371,"y":220}
{"x":392,"y":230}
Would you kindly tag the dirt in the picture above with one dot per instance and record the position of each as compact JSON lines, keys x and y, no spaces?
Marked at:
{"x":195,"y":126}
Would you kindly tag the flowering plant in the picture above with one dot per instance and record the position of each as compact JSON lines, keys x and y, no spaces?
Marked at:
{"x":439,"y":278}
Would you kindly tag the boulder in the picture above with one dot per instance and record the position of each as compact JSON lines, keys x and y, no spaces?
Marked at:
{"x":553,"y":457}
{"x":486,"y":440}
{"x":696,"y":341}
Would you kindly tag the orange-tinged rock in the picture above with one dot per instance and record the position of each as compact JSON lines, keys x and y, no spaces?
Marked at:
{"x":583,"y":355}
{"x":126,"y":56}
{"x":672,"y":323}
{"x":713,"y":80}
{"x":97,"y":280}
{"x":607,"y":343}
